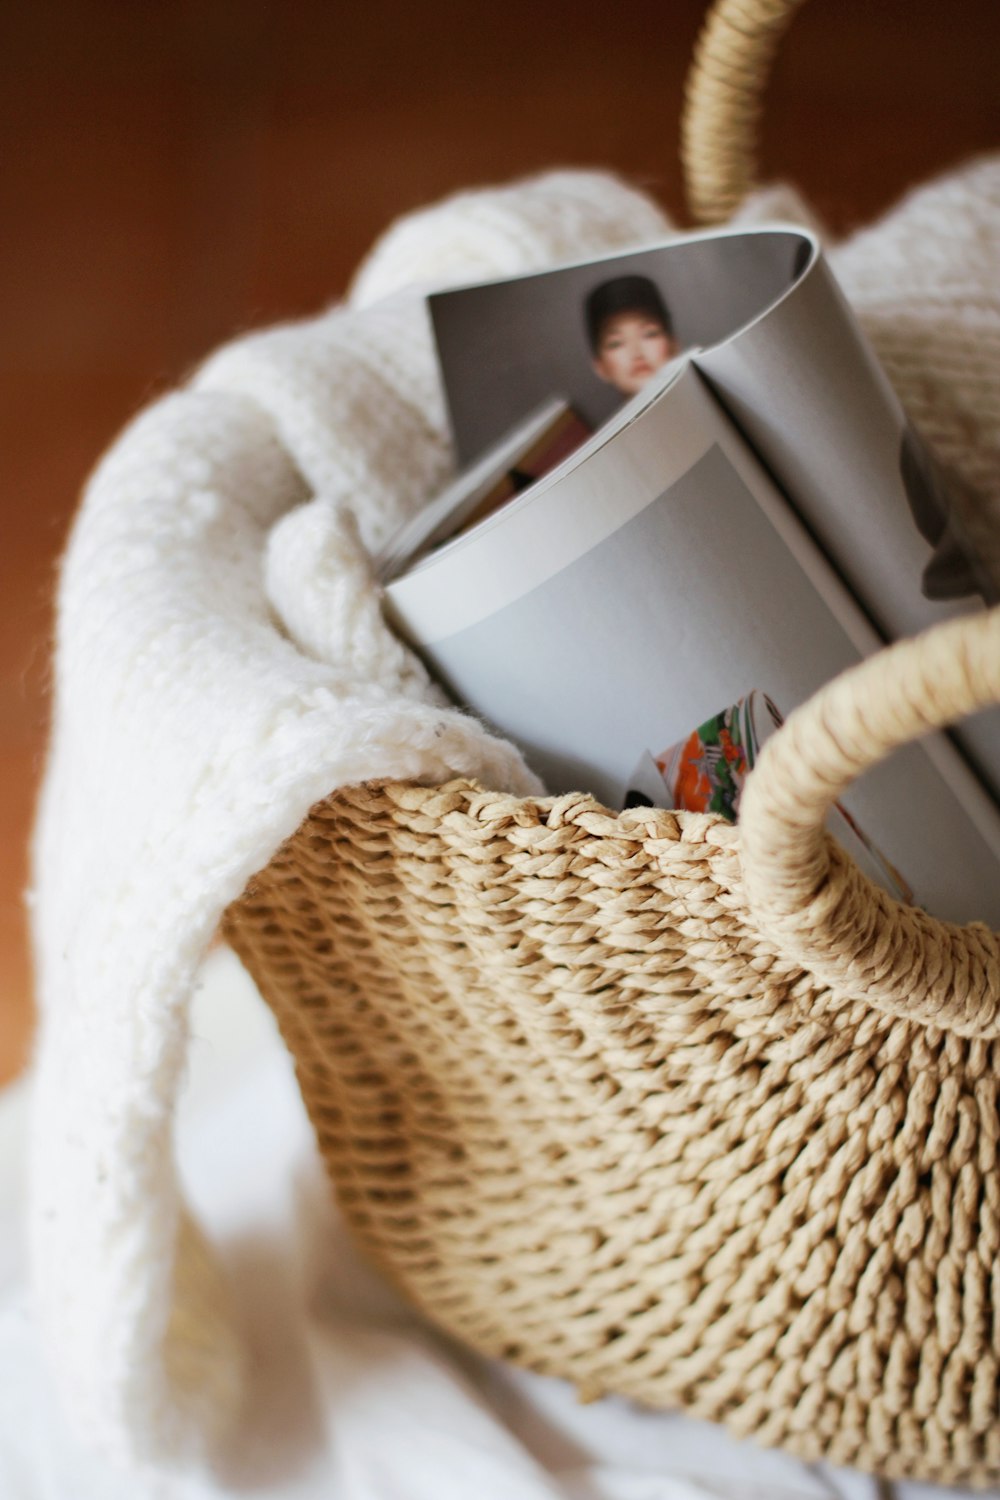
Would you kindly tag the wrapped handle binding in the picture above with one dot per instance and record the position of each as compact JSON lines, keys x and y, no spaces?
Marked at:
{"x":725,"y":85}
{"x":807,"y":897}
{"x":811,"y":900}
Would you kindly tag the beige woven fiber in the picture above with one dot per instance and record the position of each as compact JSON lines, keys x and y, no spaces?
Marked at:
{"x":723,"y":101}
{"x":590,"y":1110}
{"x":672,"y":1109}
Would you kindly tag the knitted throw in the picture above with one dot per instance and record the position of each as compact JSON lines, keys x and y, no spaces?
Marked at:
{"x":222,"y":667}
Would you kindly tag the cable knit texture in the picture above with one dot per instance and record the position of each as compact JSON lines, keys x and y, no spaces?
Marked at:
{"x":222,"y":665}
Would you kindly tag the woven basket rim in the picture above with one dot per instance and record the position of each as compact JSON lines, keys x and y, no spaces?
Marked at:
{"x":869,"y":975}
{"x":565,"y":809}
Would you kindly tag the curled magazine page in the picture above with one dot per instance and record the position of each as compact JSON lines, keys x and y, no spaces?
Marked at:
{"x":597,"y":332}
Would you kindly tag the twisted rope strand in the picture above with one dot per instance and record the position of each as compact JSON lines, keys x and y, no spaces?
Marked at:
{"x":732,"y":63}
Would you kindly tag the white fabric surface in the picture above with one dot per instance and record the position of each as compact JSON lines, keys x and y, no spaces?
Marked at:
{"x":351,"y":1397}
{"x":221,"y":664}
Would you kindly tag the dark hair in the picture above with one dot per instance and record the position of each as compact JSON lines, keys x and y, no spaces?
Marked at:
{"x":623,"y":294}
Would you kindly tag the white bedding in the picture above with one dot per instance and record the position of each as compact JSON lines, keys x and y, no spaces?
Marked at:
{"x":353,"y":1397}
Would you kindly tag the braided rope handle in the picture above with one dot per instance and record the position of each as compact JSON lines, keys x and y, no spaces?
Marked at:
{"x":807,"y":897}
{"x":804,"y":893}
{"x":725,"y":84}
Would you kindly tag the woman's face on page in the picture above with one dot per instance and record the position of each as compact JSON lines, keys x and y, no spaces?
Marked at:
{"x":632,"y":347}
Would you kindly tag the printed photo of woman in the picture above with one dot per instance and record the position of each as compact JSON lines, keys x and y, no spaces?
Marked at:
{"x":630,"y":332}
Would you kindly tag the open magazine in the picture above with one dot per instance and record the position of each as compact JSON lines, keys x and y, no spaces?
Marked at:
{"x":750,"y":511}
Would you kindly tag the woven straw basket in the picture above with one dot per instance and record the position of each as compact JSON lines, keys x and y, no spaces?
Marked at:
{"x":678,"y":1110}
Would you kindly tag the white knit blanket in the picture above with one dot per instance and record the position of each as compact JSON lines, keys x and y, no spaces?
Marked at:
{"x":221,"y":664}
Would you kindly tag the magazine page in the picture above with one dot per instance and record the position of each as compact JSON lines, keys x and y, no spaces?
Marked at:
{"x":505,"y":347}
{"x":766,"y":323}
{"x":643,"y":585}
{"x":805,"y":388}
{"x":528,"y":451}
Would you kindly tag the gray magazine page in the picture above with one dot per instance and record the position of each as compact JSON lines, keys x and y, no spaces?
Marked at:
{"x":623,"y":601}
{"x":506,"y":346}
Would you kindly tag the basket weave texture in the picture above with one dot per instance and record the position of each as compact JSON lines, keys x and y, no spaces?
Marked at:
{"x":672,"y":1109}
{"x":589,"y":1119}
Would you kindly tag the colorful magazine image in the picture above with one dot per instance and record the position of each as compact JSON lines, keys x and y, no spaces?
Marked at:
{"x":707,"y":773}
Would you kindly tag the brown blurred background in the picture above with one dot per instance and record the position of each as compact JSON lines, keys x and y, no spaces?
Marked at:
{"x":174,"y":170}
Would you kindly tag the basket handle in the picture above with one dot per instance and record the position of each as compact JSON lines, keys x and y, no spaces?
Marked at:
{"x":807,"y":896}
{"x":722,"y":102}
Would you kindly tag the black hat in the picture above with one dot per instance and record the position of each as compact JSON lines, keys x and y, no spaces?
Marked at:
{"x":623,"y":294}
